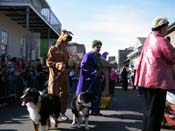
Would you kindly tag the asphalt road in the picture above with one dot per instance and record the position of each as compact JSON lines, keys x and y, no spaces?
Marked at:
{"x":123,"y":114}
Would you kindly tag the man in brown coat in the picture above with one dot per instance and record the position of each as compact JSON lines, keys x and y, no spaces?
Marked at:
{"x":57,"y":61}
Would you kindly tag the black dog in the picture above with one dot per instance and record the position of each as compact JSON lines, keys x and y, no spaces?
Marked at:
{"x":80,"y":106}
{"x":41,"y":107}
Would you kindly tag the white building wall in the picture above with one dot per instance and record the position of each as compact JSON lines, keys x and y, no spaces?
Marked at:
{"x":16,"y":36}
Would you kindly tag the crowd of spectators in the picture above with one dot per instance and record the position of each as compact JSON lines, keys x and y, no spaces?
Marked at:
{"x":16,"y":74}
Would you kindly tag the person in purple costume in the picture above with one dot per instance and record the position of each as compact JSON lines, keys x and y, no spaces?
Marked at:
{"x":91,"y":77}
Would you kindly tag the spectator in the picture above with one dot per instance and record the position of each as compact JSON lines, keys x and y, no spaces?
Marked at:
{"x":73,"y":77}
{"x":11,"y":76}
{"x":30,"y":75}
{"x":156,"y":60}
{"x":112,"y":82}
{"x":132,"y":77}
{"x":40,"y":74}
{"x":104,"y":55}
{"x":124,"y":78}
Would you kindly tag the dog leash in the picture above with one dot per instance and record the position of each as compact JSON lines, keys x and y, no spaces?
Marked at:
{"x":59,"y":73}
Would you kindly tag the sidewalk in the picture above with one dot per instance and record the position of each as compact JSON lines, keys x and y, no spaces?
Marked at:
{"x":124,"y":114}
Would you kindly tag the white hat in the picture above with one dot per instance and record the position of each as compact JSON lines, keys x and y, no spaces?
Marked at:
{"x":159,"y":21}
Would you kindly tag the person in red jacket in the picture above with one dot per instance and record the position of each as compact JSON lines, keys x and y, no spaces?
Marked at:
{"x":155,"y":73}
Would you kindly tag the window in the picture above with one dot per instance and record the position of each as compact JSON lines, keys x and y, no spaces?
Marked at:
{"x":4,"y":37}
{"x":3,"y":42}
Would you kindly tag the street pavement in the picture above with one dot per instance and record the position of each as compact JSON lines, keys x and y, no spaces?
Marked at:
{"x":123,"y":114}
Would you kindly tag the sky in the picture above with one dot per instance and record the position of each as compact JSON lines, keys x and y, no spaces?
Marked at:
{"x":117,"y":23}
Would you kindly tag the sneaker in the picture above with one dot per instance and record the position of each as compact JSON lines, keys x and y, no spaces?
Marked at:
{"x":63,"y":117}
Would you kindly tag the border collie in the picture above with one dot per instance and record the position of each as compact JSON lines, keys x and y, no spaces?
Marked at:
{"x":41,"y":107}
{"x":80,"y":106}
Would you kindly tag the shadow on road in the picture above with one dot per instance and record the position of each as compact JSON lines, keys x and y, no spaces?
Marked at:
{"x":124,"y":114}
{"x":17,"y":116}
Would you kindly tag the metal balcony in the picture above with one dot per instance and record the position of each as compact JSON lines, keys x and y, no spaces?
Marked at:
{"x":35,"y":15}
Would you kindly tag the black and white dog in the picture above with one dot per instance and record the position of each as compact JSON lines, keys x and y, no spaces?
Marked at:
{"x":41,"y":107}
{"x":80,"y":106}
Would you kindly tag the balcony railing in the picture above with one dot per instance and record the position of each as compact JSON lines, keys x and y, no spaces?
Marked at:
{"x":42,"y":8}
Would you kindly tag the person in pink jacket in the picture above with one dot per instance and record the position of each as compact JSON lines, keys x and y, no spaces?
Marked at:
{"x":155,"y":73}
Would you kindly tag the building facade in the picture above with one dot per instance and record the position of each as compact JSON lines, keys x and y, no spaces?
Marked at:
{"x":122,"y":56}
{"x":25,"y":27}
{"x":134,"y":55}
